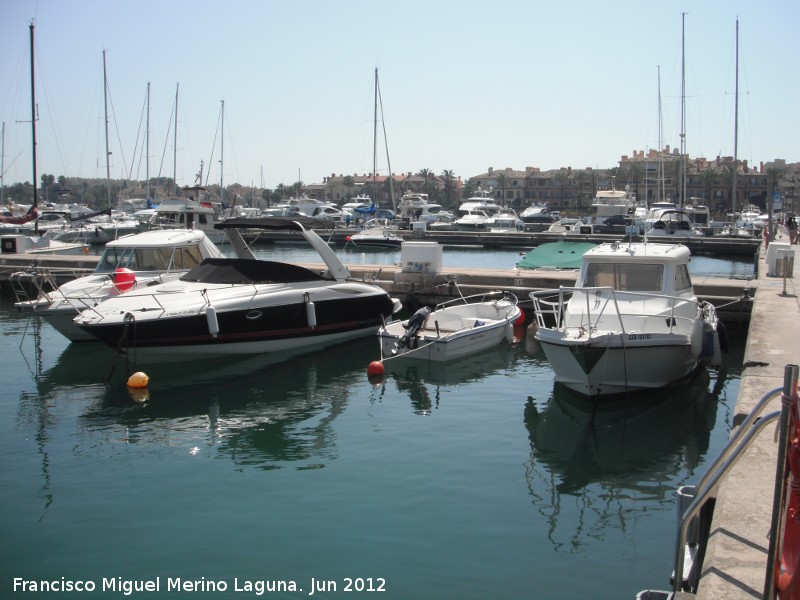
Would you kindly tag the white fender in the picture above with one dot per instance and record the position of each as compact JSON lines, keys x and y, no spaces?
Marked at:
{"x":213,"y":324}
{"x":311,"y":314}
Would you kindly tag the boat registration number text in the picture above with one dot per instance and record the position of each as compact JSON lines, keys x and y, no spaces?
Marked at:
{"x":640,"y":336}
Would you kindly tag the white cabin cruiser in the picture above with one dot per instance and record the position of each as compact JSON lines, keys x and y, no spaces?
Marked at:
{"x":186,"y":213}
{"x":473,"y":220}
{"x":481,"y":200}
{"x":505,"y":220}
{"x":238,"y":306}
{"x":534,"y":210}
{"x":608,"y":203}
{"x":676,"y":223}
{"x":632,"y":322}
{"x":131,"y":262}
{"x":377,"y":233}
{"x":454,"y":329}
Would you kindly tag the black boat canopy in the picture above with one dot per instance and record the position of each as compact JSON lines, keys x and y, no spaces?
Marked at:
{"x":295,"y":223}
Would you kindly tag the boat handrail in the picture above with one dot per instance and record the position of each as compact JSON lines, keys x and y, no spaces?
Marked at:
{"x":556,"y":309}
{"x":500,"y":295}
{"x":159,"y":306}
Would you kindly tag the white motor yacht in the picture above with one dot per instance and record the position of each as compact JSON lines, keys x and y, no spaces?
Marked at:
{"x":240,"y":306}
{"x":631,"y":323}
{"x":131,"y":262}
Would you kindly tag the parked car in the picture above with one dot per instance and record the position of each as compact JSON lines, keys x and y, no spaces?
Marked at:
{"x":618,"y":220}
{"x":620,"y":224}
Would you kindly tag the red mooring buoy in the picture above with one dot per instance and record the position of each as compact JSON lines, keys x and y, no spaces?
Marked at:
{"x":375,"y":368}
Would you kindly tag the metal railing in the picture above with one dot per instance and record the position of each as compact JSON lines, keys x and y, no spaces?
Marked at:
{"x":728,"y":457}
{"x":556,"y":310}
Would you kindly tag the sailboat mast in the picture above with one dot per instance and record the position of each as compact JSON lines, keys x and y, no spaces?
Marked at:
{"x":108,"y":154}
{"x":682,"y":199}
{"x":3,"y":166}
{"x":735,"y":125}
{"x":375,"y":140}
{"x":33,"y":126}
{"x":175,"y":141}
{"x":660,"y":188}
{"x":147,"y":150}
{"x":221,"y":147}
{"x":386,"y":145}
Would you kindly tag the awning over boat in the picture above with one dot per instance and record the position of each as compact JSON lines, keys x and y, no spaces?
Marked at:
{"x":556,"y":255}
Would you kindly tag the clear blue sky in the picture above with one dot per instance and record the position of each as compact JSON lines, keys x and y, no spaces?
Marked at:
{"x":466,"y":85}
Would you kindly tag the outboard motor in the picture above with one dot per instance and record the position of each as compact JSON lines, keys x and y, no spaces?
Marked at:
{"x":415,"y":323}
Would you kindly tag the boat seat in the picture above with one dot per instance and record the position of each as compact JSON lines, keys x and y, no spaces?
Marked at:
{"x":432,"y":329}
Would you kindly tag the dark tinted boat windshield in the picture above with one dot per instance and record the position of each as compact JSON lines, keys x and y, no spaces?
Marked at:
{"x":245,"y":270}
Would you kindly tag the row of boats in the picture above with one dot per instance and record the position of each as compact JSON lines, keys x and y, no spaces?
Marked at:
{"x":72,"y":227}
{"x":632,"y":322}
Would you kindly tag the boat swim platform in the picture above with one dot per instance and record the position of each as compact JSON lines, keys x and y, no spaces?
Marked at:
{"x":733,"y":297}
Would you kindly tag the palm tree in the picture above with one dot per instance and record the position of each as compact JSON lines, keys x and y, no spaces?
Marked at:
{"x":672,"y":170}
{"x":561,"y":177}
{"x":583,"y":179}
{"x":349,"y":182}
{"x":774,"y":175}
{"x":469,"y":188}
{"x":449,"y":186}
{"x":502,"y":182}
{"x":635,"y":174}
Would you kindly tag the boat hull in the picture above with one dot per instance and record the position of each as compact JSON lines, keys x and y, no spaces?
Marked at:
{"x":614,"y":364}
{"x":451,"y":333}
{"x":429,"y":347}
{"x":252,"y":329}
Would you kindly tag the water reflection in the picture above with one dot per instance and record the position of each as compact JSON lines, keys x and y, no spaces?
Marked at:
{"x":258,"y":413}
{"x":595,"y":466}
{"x":423,"y":381}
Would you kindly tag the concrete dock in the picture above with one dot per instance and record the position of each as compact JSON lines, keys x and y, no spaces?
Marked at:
{"x":736,"y":557}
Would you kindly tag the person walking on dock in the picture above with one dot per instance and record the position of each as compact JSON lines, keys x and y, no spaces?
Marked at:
{"x":791,"y":226}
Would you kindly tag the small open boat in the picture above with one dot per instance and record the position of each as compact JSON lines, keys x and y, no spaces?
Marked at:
{"x":454,"y":329}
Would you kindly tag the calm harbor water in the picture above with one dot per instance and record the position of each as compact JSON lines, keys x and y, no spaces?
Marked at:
{"x":473,"y":480}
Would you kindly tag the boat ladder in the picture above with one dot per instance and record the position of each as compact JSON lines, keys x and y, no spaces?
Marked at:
{"x":33,"y":283}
